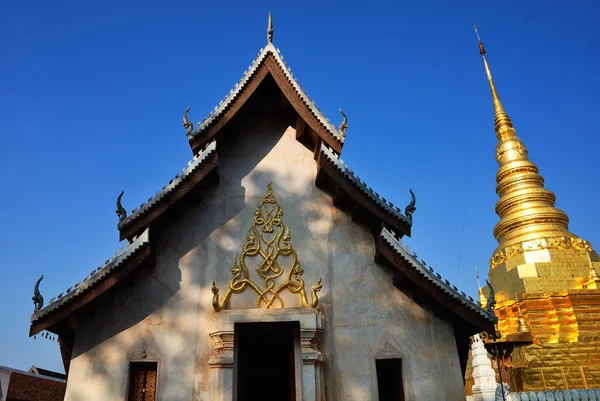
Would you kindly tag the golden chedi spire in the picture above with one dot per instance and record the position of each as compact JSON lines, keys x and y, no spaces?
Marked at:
{"x":594,"y":280}
{"x":482,"y":298}
{"x":526,"y":209}
{"x":553,"y":271}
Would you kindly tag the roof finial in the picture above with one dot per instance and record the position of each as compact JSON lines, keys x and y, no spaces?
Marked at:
{"x":38,"y":300}
{"x":411,"y":208}
{"x":187,"y":124}
{"x":504,"y":126}
{"x":121,"y":212}
{"x":343,"y":127}
{"x":491,"y":304}
{"x":270,"y":29}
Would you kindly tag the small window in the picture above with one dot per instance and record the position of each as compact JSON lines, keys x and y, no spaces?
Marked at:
{"x":389,"y":379}
{"x":142,"y":381}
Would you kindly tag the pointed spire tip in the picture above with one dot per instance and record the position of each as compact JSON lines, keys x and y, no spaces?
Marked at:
{"x":270,"y":29}
{"x":481,"y":48}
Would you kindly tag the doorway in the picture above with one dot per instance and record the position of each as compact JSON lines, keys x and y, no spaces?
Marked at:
{"x":389,"y":379}
{"x":265,"y":361}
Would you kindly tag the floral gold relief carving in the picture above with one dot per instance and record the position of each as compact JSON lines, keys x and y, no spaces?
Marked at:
{"x":561,"y":242}
{"x":268,"y":242}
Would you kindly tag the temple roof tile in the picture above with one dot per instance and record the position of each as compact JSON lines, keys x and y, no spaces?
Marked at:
{"x":367,"y":190}
{"x":393,"y":240}
{"x":192,"y":166}
{"x":269,"y":49}
{"x":96,"y":276}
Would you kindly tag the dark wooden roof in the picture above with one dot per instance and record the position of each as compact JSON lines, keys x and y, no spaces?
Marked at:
{"x":428,"y":287}
{"x":98,"y":282}
{"x":200,"y":167}
{"x":268,"y":61}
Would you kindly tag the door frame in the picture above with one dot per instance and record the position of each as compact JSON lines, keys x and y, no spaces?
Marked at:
{"x":308,"y":357}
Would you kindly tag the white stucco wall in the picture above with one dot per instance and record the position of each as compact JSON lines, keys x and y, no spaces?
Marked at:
{"x":169,"y":307}
{"x":4,"y":380}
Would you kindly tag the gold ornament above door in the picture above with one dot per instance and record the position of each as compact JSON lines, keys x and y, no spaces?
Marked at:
{"x":268,"y":243}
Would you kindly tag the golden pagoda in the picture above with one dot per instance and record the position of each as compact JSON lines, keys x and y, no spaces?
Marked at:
{"x":553,"y":273}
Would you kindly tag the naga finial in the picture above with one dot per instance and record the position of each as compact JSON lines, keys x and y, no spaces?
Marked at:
{"x":344,"y":125}
{"x":491,"y":303}
{"x":38,"y":299}
{"x":121,"y":212}
{"x":187,"y":124}
{"x":215,"y":302}
{"x":410,"y":208}
{"x":270,"y":30}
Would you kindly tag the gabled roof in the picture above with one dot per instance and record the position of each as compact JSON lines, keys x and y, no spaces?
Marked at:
{"x":269,"y":60}
{"x":423,"y":280}
{"x":349,"y":193}
{"x":46,"y":372}
{"x":345,"y":180}
{"x":99,"y":280}
{"x":197,"y":169}
{"x":31,"y":386}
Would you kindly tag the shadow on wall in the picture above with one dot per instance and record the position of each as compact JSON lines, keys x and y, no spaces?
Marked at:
{"x":170,"y":297}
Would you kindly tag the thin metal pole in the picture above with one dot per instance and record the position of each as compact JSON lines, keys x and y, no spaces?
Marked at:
{"x":500,"y":371}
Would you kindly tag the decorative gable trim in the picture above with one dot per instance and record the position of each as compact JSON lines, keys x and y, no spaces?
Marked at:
{"x":197,"y":169}
{"x":98,"y":282}
{"x":425,"y":285}
{"x":365,"y":197}
{"x":269,"y":60}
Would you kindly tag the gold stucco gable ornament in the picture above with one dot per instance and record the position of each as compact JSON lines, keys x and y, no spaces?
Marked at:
{"x":268,"y":240}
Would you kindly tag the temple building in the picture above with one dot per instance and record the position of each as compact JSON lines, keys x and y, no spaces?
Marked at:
{"x":545,"y":278}
{"x":264,"y":270}
{"x":34,"y":385}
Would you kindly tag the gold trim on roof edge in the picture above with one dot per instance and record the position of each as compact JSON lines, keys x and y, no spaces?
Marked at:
{"x":267,"y":239}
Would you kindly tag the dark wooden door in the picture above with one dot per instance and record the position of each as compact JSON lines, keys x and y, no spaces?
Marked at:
{"x":142,"y":381}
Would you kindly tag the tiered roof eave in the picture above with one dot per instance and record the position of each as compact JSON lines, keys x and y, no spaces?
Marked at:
{"x":268,"y":61}
{"x":349,"y":193}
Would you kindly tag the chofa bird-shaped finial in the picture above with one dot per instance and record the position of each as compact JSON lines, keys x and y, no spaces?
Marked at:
{"x":410,"y":208}
{"x":343,"y":127}
{"x":38,"y":300}
{"x":491,"y":303}
{"x":187,"y":124}
{"x":121,"y":212}
{"x":270,"y":30}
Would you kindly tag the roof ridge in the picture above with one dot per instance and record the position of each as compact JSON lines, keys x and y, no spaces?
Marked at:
{"x":392,"y":239}
{"x":95,"y":275}
{"x":23,"y":372}
{"x":247,"y":75}
{"x":173,"y":183}
{"x":370,"y":192}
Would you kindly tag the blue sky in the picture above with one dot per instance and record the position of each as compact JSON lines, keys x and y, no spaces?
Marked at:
{"x":91,"y":98}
